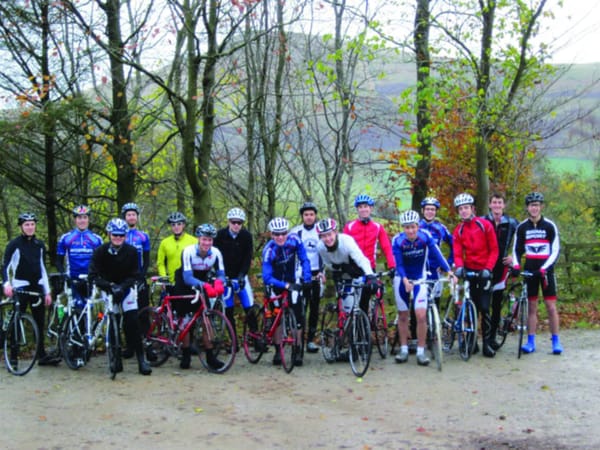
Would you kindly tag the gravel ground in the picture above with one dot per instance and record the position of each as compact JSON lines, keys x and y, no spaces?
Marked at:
{"x":540,"y":401}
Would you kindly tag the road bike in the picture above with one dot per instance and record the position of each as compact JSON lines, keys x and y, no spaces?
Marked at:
{"x":209,"y":330}
{"x":345,"y":329}
{"x":378,"y":318}
{"x":19,"y":333}
{"x":514,"y":312}
{"x":460,"y":320}
{"x":273,"y":323}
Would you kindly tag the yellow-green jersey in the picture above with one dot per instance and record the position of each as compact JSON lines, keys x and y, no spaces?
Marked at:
{"x":169,"y":254}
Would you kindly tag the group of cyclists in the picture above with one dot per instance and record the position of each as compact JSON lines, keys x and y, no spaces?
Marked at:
{"x":297,"y":259}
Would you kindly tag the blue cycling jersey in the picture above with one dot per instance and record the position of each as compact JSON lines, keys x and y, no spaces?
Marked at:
{"x":412,"y":256}
{"x":141,"y":242}
{"x":279,"y":262}
{"x":440,"y":234}
{"x":78,"y":246}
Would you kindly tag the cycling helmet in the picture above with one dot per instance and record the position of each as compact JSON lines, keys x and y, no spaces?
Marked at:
{"x":82,"y":210}
{"x":279,"y":225}
{"x":363,"y":198}
{"x":463,"y":199}
{"x":534,"y":197}
{"x":408,"y":217}
{"x":236,"y":214}
{"x":26,"y":217}
{"x":326,"y":225}
{"x":117,"y":226}
{"x":176,"y":217}
{"x":130,"y":207}
{"x":308,"y":205}
{"x":430,"y":201}
{"x":206,"y":230}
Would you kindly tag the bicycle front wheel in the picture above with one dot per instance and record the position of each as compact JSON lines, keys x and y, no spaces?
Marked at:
{"x":157,"y":339}
{"x":523,"y":314}
{"x":380,"y":329}
{"x":434,"y":335}
{"x":288,"y":346}
{"x":214,"y":336}
{"x":254,"y":341}
{"x":113,"y":346}
{"x":467,"y":335}
{"x":21,"y":344}
{"x":72,"y":344}
{"x":359,"y":340}
{"x":329,"y":331}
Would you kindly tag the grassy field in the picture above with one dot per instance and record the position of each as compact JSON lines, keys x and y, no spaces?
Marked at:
{"x":582,"y":166}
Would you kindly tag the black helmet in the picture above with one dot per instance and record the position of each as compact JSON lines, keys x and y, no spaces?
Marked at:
{"x":176,"y":217}
{"x":534,"y":197}
{"x":308,"y":205}
{"x":130,"y":207}
{"x":26,"y":217}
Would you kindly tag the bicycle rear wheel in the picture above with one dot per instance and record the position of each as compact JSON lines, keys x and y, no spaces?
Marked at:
{"x":328,"y":333}
{"x":359,"y":340}
{"x":467,"y":335}
{"x":448,"y":330}
{"x":254,"y":341}
{"x":53,"y":331}
{"x":434,"y":335}
{"x":507,"y":319}
{"x":212,"y":333}
{"x":157,"y":340}
{"x":73,"y":345}
{"x":289,"y":345}
{"x":21,"y":344}
{"x":380,"y":328}
{"x":522,"y":317}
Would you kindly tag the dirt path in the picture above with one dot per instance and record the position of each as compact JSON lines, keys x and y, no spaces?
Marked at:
{"x":541,"y":401}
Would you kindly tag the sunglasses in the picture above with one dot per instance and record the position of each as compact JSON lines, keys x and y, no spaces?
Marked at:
{"x":283,"y":233}
{"x":235,"y":222}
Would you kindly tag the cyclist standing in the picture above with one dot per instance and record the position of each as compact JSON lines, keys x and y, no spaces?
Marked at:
{"x":476,"y":249}
{"x":24,"y":268}
{"x":505,"y":227}
{"x":141,"y":241}
{"x":168,"y":259}
{"x":312,"y":296}
{"x":537,"y":238}
{"x":279,"y":259}
{"x":236,"y":245}
{"x":367,"y":233}
{"x":414,"y":250}
{"x":77,"y":247}
{"x":114,"y":269}
{"x":199,"y":262}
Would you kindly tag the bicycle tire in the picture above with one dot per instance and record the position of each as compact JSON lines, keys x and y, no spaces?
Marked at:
{"x":467,"y":337}
{"x":448,"y":331}
{"x":523,"y":314}
{"x":507,"y":319}
{"x":99,"y":333}
{"x":254,"y":341}
{"x":359,"y":342}
{"x":288,"y":346}
{"x":379,"y":327}
{"x":159,"y":338}
{"x":219,"y":333}
{"x":434,"y":335}
{"x":329,"y":330}
{"x":21,"y":341}
{"x":73,"y":344}
{"x":53,"y":331}
{"x":113,"y":345}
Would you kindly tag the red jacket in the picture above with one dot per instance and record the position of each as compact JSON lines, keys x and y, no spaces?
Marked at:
{"x":366,"y":236}
{"x":475,"y":245}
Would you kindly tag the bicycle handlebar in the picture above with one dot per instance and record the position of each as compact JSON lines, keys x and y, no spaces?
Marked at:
{"x":196,"y":296}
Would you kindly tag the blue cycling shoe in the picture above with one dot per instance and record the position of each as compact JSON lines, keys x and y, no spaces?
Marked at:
{"x":528,"y":348}
{"x":557,"y":349}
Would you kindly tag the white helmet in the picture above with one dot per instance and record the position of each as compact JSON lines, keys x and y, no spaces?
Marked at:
{"x":279,"y":225}
{"x":236,"y":214}
{"x":463,"y":199}
{"x":408,"y":217}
